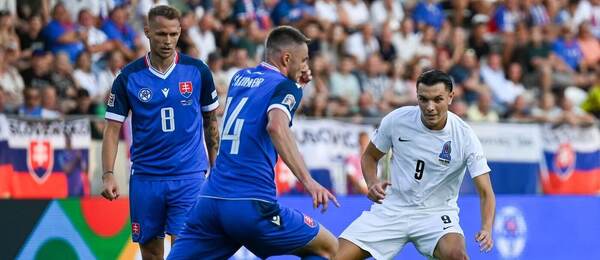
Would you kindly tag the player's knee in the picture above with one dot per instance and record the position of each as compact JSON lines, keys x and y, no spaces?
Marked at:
{"x":328,"y":249}
{"x":457,"y":254}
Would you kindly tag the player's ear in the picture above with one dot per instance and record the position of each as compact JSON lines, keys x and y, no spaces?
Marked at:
{"x":147,"y":31}
{"x":450,"y":97}
{"x":286,"y":57}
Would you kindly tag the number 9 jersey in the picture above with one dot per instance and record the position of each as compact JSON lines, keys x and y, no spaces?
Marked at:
{"x":245,"y":164}
{"x":166,"y":121}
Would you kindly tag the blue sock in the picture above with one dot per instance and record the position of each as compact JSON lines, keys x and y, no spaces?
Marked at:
{"x":313,"y":257}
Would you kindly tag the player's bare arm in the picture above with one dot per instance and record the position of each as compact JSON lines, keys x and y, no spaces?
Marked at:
{"x":211,"y":135}
{"x":488,"y":208}
{"x":285,"y":144}
{"x":369,"y":160}
{"x":110,"y":143}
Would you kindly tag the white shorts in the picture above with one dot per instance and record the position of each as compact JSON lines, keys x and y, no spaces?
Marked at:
{"x":383,"y":232}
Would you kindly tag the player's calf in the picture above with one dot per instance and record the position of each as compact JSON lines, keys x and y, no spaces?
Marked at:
{"x":153,"y":249}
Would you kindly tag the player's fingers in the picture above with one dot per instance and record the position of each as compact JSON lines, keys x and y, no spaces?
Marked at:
{"x":333,"y":199}
{"x":386,"y":184}
{"x":325,"y":202}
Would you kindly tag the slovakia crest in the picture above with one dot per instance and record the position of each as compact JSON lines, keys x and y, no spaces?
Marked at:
{"x":444,"y":156}
{"x":186,"y":88}
{"x":40,"y":159}
{"x":564,"y":160}
{"x":510,"y":230}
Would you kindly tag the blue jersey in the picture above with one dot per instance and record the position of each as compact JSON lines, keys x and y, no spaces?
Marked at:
{"x":245,"y":164}
{"x":168,"y":139}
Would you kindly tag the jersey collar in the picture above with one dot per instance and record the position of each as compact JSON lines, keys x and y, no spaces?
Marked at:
{"x":157,"y":72}
{"x":269,"y":66}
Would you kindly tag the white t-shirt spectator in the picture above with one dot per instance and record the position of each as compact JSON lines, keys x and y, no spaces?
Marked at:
{"x":205,"y":42}
{"x":327,"y":10}
{"x":358,"y":13}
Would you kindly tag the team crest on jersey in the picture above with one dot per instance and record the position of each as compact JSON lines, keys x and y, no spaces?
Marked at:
{"x":309,"y":221}
{"x":145,"y":94}
{"x":289,"y":100}
{"x":135,"y":229}
{"x":444,"y":156}
{"x":40,"y":159}
{"x":186,"y":88}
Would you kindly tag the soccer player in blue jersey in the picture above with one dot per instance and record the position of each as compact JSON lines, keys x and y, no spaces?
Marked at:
{"x":237,"y":206}
{"x":171,"y":98}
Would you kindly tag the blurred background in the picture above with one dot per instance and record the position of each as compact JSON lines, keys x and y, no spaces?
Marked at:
{"x":526,"y":73}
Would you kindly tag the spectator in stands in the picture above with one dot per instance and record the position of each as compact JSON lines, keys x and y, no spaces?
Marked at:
{"x":567,"y":49}
{"x":290,"y":12}
{"x":50,"y":100}
{"x":478,"y":41}
{"x":11,"y":81}
{"x":387,"y":50}
{"x":407,"y":40}
{"x":203,"y":37}
{"x":459,"y":107}
{"x":344,"y":85}
{"x":95,"y":41}
{"x":355,"y":179}
{"x":238,"y":59}
{"x":374,"y":79}
{"x":85,"y":78}
{"x":38,"y":75}
{"x":574,"y":115}
{"x":466,"y":77}
{"x":116,"y":61}
{"x":75,"y":166}
{"x":117,"y":28}
{"x":30,"y":37}
{"x":482,"y":111}
{"x":61,"y":35}
{"x":32,"y":106}
{"x":355,"y":14}
{"x":362,"y":44}
{"x":8,"y":35}
{"x":590,"y":47}
{"x":328,"y":12}
{"x":398,"y":93}
{"x":386,"y":12}
{"x":62,"y":76}
{"x":546,"y":110}
{"x":86,"y":106}
{"x":429,"y":13}
{"x":519,"y":111}
{"x":4,"y":108}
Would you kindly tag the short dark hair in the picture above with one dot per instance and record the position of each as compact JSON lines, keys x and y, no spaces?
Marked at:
{"x":433,"y":76}
{"x":166,"y":11}
{"x":282,"y":37}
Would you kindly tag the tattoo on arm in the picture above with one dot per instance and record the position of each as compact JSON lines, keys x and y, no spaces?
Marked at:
{"x":211,"y":135}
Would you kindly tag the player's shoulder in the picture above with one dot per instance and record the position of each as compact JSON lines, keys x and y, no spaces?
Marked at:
{"x":459,"y":124}
{"x":191,"y":61}
{"x":133,"y":67}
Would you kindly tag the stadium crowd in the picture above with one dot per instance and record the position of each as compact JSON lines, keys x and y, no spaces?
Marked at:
{"x":518,"y":61}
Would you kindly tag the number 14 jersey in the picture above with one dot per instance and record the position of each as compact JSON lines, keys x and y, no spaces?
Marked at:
{"x":245,"y":164}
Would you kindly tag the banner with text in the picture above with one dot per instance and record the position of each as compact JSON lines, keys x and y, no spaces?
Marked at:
{"x":44,"y":158}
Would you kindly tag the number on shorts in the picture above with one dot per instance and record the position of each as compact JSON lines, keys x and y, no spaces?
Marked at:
{"x":446,"y":219}
{"x":419,"y":169}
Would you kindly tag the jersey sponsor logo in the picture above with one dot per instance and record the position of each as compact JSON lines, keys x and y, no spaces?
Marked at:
{"x":564,"y":160}
{"x":165,"y":91}
{"x":510,"y":230}
{"x":145,"y":94}
{"x":186,"y":88}
{"x":40,"y":159}
{"x":111,"y":100}
{"x":309,"y":221}
{"x":135,"y":229}
{"x":289,"y":100}
{"x":444,"y":156}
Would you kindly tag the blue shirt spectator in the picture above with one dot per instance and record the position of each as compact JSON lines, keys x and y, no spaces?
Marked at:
{"x":429,"y":13}
{"x":60,"y":34}
{"x":569,"y":51}
{"x":116,"y":28}
{"x":288,"y":11}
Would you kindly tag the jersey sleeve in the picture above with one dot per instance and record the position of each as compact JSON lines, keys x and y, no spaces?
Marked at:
{"x":476,"y":161}
{"x":209,"y":100}
{"x":287,"y":97}
{"x":117,"y":106}
{"x":382,"y":138}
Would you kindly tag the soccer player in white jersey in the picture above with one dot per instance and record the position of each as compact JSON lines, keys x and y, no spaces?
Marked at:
{"x":431,"y":149}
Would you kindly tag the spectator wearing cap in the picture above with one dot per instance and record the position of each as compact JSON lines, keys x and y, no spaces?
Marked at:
{"x":118,"y":29}
{"x":30,"y":38}
{"x":61,"y":35}
{"x":38,"y":75}
{"x":10,"y":80}
{"x":429,"y":13}
{"x":32,"y":106}
{"x":96,"y":42}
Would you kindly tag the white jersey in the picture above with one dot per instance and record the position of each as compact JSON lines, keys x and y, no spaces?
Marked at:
{"x":428,"y":166}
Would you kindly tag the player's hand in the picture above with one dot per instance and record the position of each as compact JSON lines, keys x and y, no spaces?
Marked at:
{"x":484,"y":238}
{"x":377,"y":191}
{"x":305,"y":77}
{"x":110,"y":189}
{"x":320,"y":196}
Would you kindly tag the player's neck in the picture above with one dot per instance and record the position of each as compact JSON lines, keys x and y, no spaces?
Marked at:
{"x":281,"y":68}
{"x":161,"y":64}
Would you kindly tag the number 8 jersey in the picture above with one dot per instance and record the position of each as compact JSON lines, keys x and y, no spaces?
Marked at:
{"x":245,"y":164}
{"x":428,"y":166}
{"x":168,"y":139}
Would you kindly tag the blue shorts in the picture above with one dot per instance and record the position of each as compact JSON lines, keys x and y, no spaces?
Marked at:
{"x":160,"y":206}
{"x":217,"y":228}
